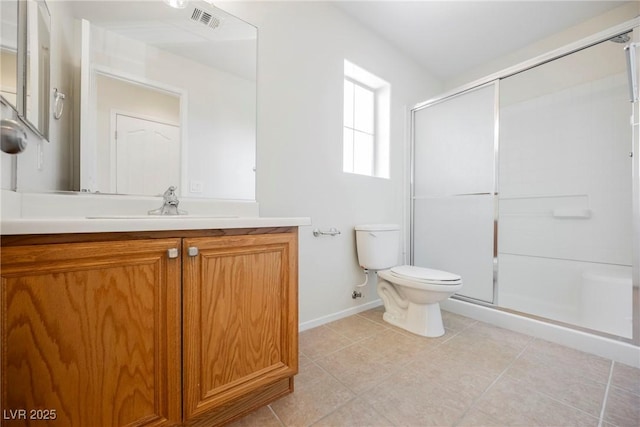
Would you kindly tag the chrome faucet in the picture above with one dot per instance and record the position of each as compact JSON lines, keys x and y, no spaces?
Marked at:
{"x":169,"y":204}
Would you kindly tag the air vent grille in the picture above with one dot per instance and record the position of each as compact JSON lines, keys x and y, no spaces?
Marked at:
{"x":205,"y":18}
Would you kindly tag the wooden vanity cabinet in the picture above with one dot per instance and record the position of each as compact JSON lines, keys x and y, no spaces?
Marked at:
{"x":239,"y":321}
{"x":91,"y":334}
{"x":158,"y":328}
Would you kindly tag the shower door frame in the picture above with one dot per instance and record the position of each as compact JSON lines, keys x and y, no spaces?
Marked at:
{"x":494,"y":79}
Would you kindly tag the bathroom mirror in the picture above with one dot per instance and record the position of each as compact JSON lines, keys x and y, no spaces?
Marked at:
{"x":37,"y":66}
{"x":167,"y":97}
{"x":25,"y":61}
{"x":9,"y":51}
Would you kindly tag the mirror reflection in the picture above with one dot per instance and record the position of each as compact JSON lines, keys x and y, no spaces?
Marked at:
{"x":25,"y":61}
{"x":37,"y":68}
{"x":138,"y":136}
{"x":167,"y":97}
{"x":9,"y":51}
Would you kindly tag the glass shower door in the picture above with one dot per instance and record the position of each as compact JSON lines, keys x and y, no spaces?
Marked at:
{"x":565,"y":214}
{"x":453,"y":202}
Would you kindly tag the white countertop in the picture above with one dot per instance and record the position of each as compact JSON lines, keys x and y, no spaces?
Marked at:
{"x":115,"y":223}
{"x":24,"y":213}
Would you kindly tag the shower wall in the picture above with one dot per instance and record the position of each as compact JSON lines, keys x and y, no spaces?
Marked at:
{"x":546,"y":228}
{"x":565,"y":209}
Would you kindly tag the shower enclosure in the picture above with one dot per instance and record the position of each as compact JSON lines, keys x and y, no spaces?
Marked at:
{"x":524,"y":185}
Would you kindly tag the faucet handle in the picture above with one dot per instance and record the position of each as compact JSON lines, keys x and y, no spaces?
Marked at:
{"x":170,"y":193}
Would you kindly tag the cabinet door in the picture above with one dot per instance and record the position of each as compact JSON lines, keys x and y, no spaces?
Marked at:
{"x":90,"y":334}
{"x":240,"y":317}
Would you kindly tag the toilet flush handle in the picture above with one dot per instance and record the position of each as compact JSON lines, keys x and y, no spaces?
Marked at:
{"x":373,"y":234}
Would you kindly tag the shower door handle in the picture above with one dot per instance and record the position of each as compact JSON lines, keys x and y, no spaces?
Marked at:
{"x":632,"y":74}
{"x":473,"y":194}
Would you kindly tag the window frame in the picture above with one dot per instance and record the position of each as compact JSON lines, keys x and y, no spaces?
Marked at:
{"x":381,"y":136}
{"x":374,"y":130}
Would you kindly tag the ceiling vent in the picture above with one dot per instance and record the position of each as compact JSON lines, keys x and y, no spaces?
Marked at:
{"x":205,"y":18}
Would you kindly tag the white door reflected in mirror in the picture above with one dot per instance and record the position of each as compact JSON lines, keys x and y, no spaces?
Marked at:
{"x":148,"y":154}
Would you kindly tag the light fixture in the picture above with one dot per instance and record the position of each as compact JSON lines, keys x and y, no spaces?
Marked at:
{"x":177,"y":4}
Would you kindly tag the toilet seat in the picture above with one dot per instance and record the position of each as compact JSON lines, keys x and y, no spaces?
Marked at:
{"x":426,"y":276}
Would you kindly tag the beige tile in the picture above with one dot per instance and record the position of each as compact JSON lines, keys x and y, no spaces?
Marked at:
{"x":479,"y":333}
{"x":309,"y":374}
{"x":320,"y":341}
{"x":356,"y":327}
{"x":455,"y":322}
{"x":360,"y":371}
{"x":561,"y":358}
{"x":399,"y":348}
{"x":626,"y":377}
{"x":407,"y":401}
{"x":375,"y":315}
{"x":484,"y":357}
{"x":262,"y":417}
{"x":356,"y":413}
{"x":357,"y":367}
{"x":455,"y":373}
{"x":303,"y":360}
{"x":477,"y":418}
{"x":513,"y":403}
{"x":309,"y":404}
{"x":421,"y":392}
{"x":622,"y":408}
{"x":569,"y":386}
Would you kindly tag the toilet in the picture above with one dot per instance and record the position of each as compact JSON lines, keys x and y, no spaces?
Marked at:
{"x":410,"y":294}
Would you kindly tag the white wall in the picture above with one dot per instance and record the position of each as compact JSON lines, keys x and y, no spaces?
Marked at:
{"x":301,"y":52}
{"x":54,"y":173}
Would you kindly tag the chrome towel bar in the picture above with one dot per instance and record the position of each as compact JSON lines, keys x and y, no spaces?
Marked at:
{"x":331,"y":232}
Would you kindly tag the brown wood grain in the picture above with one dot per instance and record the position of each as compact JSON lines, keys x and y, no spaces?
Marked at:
{"x":45,"y":239}
{"x":92,"y":331}
{"x":239,"y":317}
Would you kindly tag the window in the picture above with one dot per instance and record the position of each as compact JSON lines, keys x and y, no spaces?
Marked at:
{"x":366,"y":123}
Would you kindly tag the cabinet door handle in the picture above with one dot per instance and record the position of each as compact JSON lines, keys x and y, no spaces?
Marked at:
{"x":172,"y":253}
{"x":192,"y":251}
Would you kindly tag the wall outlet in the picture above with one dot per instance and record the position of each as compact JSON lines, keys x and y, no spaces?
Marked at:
{"x":195,"y":186}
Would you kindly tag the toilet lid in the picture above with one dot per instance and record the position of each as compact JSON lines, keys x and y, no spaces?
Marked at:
{"x":425,"y":274}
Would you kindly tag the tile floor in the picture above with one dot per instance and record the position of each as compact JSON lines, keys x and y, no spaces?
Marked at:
{"x":361,"y":371}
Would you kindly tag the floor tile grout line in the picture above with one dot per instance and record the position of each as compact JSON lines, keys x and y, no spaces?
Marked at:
{"x":359,"y":340}
{"x":500,"y":375}
{"x":451,"y":334}
{"x":276,"y":415}
{"x":606,"y":394}
{"x":357,"y":395}
{"x":333,"y":411}
{"x":555,"y":399}
{"x":398,"y":368}
{"x":334,"y":351}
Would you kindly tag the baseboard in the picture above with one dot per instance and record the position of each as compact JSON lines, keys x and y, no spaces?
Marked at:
{"x":339,"y":315}
{"x":619,"y":351}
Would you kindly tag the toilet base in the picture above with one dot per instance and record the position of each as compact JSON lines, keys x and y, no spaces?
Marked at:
{"x":420,"y":319}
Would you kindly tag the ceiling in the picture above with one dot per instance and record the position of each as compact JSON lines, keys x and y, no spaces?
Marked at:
{"x":449,"y":37}
{"x":228,"y":45}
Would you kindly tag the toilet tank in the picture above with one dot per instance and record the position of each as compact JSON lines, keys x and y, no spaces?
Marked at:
{"x":377,"y":245}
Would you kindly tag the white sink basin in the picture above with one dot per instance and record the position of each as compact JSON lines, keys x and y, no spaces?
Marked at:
{"x":161,"y":217}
